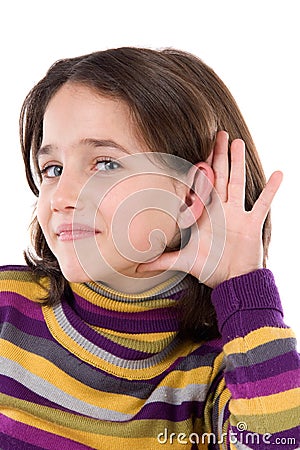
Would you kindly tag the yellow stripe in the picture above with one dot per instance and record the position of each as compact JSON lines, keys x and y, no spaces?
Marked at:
{"x":120,"y":306}
{"x":25,"y":288}
{"x":19,"y":275}
{"x":224,"y":395}
{"x":145,"y":344}
{"x":138,"y":336}
{"x":148,"y":293}
{"x":180,"y":379}
{"x":274,"y":403}
{"x":256,"y":338}
{"x":199,"y":375}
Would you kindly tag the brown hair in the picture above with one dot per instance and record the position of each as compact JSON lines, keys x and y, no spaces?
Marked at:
{"x":178,"y":104}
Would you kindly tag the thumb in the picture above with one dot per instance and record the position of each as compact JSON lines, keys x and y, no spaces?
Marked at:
{"x":166,"y":261}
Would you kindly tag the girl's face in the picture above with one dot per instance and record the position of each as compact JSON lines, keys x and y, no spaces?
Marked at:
{"x":104,"y":206}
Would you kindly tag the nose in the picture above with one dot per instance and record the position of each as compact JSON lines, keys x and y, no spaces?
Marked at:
{"x":66,"y":196}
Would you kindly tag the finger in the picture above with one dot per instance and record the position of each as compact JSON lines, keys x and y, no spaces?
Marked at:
{"x":167,"y":261}
{"x":237,"y":178}
{"x":263,"y":203}
{"x":220,"y":164}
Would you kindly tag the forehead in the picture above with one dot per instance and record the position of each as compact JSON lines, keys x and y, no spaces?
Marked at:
{"x":80,"y":100}
{"x":79,"y":112}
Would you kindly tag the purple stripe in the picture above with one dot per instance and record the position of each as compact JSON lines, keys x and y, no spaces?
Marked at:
{"x":27,"y":325}
{"x":17,"y":268}
{"x":22,"y":304}
{"x":272,"y":385}
{"x":205,"y":348}
{"x":10,"y":443}
{"x":266,"y":369}
{"x":286,"y":434}
{"x":155,"y":321}
{"x":151,"y":314}
{"x":255,"y":291}
{"x":243,"y":322}
{"x":173,"y":413}
{"x":226,"y":412}
{"x":31,"y":435}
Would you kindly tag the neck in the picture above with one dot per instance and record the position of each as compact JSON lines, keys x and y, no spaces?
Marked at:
{"x":140,"y":282}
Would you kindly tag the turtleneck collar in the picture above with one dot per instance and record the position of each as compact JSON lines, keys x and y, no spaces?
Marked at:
{"x":124,"y":334}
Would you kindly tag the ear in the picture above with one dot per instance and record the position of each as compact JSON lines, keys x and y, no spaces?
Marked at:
{"x":199,"y":186}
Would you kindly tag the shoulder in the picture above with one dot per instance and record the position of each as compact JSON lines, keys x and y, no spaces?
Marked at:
{"x":14,"y":268}
{"x":10,"y":274}
{"x":16,"y":280}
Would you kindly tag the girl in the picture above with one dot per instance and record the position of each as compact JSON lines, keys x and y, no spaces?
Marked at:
{"x":145,"y":316}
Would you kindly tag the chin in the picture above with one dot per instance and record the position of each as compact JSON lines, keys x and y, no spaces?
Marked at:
{"x":74,"y":273}
{"x":76,"y":279}
{"x":83,"y":270}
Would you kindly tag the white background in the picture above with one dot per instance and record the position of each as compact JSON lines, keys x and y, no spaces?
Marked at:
{"x":253,"y":45}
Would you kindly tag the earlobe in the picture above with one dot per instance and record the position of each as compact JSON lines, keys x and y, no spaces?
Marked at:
{"x":201,"y":182}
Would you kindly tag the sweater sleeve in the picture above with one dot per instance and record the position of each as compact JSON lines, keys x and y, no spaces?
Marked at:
{"x":260,"y":397}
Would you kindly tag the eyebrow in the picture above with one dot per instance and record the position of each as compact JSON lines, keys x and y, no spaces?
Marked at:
{"x":94,"y":143}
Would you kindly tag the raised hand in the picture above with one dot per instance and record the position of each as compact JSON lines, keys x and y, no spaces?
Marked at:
{"x":226,"y":240}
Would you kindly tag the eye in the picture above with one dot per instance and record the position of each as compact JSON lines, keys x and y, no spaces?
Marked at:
{"x":52,"y":171}
{"x":107,"y":165}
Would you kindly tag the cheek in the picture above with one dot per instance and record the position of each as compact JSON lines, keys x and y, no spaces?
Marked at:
{"x":41,"y":212}
{"x":137,"y":237}
{"x":140,"y":222}
{"x":151,"y":231}
{"x":43,"y":215}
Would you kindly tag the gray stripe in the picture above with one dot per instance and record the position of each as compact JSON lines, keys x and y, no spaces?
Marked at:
{"x":68,"y":363}
{"x":240,"y":446}
{"x":261,"y":353}
{"x":49,"y":391}
{"x":217,"y":418}
{"x":176,"y":286}
{"x":177,"y":396}
{"x":220,"y":423}
{"x":193,"y":361}
{"x":103,"y":354}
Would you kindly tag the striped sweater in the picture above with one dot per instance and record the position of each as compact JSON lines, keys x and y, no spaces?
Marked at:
{"x":105,"y":370}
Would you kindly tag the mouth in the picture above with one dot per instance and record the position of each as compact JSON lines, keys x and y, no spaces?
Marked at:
{"x":74,"y":232}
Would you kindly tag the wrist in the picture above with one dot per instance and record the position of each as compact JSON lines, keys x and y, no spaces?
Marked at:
{"x":214,"y":281}
{"x":255,"y":292}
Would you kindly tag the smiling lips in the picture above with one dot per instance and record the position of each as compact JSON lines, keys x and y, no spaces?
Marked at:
{"x":75,"y":231}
